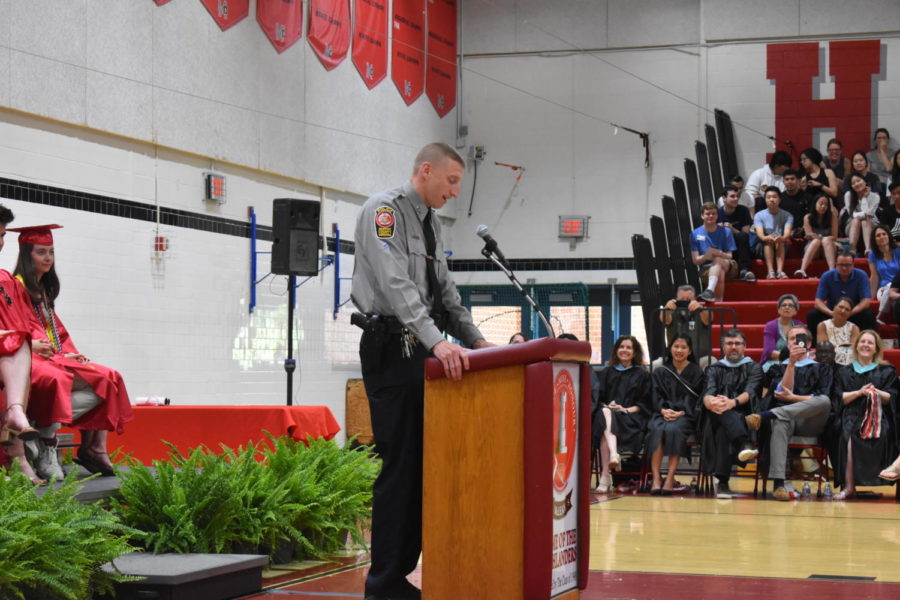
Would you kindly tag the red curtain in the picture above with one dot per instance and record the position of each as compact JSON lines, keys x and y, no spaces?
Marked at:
{"x":440,"y":78}
{"x":329,"y":30}
{"x":281,"y":21}
{"x":227,"y":12}
{"x":370,"y":40}
{"x":408,"y":49}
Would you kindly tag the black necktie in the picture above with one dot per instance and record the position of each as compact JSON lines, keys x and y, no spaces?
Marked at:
{"x":437,"y":299}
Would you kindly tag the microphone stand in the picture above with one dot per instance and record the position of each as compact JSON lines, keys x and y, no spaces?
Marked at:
{"x":512,"y":277}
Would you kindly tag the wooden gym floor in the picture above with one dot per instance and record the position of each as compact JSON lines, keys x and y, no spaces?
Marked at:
{"x":650,"y":547}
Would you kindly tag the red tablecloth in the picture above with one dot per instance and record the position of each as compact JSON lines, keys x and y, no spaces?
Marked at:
{"x":190,"y":426}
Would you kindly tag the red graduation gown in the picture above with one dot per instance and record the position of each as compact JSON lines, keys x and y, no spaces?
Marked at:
{"x":51,"y":380}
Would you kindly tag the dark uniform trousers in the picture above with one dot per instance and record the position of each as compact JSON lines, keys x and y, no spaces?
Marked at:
{"x":395,"y":387}
{"x":730,"y":435}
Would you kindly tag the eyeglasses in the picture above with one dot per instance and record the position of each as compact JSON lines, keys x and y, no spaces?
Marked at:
{"x":788,"y":305}
{"x":734,"y":342}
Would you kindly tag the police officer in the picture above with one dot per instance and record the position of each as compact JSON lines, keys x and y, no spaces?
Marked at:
{"x":402,"y":287}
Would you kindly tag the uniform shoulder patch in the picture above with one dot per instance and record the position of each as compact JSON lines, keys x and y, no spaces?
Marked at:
{"x":384,"y":222}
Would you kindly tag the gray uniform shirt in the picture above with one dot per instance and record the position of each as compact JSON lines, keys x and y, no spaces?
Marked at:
{"x":389,"y":276}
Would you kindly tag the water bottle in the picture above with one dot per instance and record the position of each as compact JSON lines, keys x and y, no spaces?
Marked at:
{"x":828,"y":493}
{"x":806,"y":491}
{"x":691,"y":326}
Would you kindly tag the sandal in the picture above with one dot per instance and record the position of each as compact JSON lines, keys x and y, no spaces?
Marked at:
{"x":782,"y":275}
{"x":844,"y":495}
{"x":91,"y":464}
{"x":614,"y":461}
{"x":892,"y":473}
{"x":770,"y":275}
{"x":9,"y":432}
{"x":604,"y":484}
{"x":800,"y":274}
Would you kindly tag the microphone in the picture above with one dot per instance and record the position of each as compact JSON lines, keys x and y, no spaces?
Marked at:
{"x":490,"y":244}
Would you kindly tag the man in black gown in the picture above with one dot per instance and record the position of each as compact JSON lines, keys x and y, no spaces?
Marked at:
{"x":797,"y":403}
{"x":732,"y":388}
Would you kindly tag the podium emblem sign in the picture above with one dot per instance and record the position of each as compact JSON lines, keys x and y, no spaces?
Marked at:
{"x":566,"y":391}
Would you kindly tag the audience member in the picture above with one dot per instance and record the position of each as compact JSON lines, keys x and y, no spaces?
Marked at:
{"x":745,"y":199}
{"x":797,"y":403}
{"x":890,"y":216}
{"x":733,"y":386}
{"x":867,"y":391}
{"x":772,"y":229}
{"x":685,"y":316}
{"x":737,"y":217}
{"x":818,"y":180}
{"x":775,"y":331}
{"x":860,"y":167}
{"x":884,"y":264}
{"x":836,"y":161}
{"x":625,"y":391}
{"x":711,"y":250}
{"x":768,"y":175}
{"x":94,"y":399}
{"x":843,"y":280}
{"x":795,"y":200}
{"x":861,"y":203}
{"x":821,"y":230}
{"x":880,"y":156}
{"x":518,"y":338}
{"x":840,"y":332}
{"x":677,"y":385}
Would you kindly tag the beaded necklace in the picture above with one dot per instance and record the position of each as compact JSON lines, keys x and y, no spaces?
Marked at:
{"x":45,"y":315}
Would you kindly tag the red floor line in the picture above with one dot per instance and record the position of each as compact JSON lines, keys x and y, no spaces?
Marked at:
{"x":322,"y":575}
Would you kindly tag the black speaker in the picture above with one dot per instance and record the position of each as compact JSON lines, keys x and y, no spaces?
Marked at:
{"x":295,"y":236}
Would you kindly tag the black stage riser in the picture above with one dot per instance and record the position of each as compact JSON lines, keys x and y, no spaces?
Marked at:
{"x":706,"y":186}
{"x":664,"y":266}
{"x":693,"y":191}
{"x":675,"y":248}
{"x":715,"y":164}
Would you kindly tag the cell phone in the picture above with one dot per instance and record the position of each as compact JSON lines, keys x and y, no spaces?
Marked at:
{"x":802,"y":340}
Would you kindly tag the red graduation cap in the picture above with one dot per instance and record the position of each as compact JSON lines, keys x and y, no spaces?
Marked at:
{"x":38,"y":234}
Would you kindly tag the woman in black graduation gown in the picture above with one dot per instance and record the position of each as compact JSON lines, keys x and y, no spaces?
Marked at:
{"x":866,"y":392}
{"x":624,"y":389}
{"x":677,"y":385}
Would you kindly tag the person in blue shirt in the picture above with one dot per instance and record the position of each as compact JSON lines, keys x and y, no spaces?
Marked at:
{"x":772,"y":231}
{"x":843,"y":280}
{"x":884,"y":264}
{"x":711,"y":250}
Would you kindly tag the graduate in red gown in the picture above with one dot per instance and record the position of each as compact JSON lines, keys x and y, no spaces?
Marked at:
{"x":67,"y":387}
{"x":15,"y":369}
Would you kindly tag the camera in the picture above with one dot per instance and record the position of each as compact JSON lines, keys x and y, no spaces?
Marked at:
{"x":682,"y":303}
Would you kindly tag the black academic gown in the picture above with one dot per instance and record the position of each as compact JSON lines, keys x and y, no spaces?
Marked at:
{"x":723,"y":436}
{"x":675,"y":392}
{"x":872,"y":455}
{"x":627,"y":388}
{"x":814,"y":379}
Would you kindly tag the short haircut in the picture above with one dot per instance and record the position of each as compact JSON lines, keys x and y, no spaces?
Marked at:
{"x":802,"y":328}
{"x":435,"y":154}
{"x":6,"y":215}
{"x":834,"y":141}
{"x":772,"y":188}
{"x":780,"y":159}
{"x":709,"y":206}
{"x":736,"y":179}
{"x":845,"y":252}
{"x":894,"y":185}
{"x":687,"y":288}
{"x":790,"y":297}
{"x":729,"y":188}
{"x":813,"y":155}
{"x":567,"y":336}
{"x":734,"y":332}
{"x":882,"y":130}
{"x":791,"y":172}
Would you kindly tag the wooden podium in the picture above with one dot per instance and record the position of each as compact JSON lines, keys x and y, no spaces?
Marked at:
{"x":506,"y":474}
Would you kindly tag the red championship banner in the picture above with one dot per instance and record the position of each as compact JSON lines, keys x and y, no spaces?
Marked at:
{"x":281,"y":21}
{"x":370,"y":37}
{"x":329,"y":30}
{"x":408,"y":48}
{"x":227,"y":12}
{"x":440,"y":75}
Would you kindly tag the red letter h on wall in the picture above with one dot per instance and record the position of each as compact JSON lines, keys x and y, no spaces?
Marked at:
{"x":793,"y":68}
